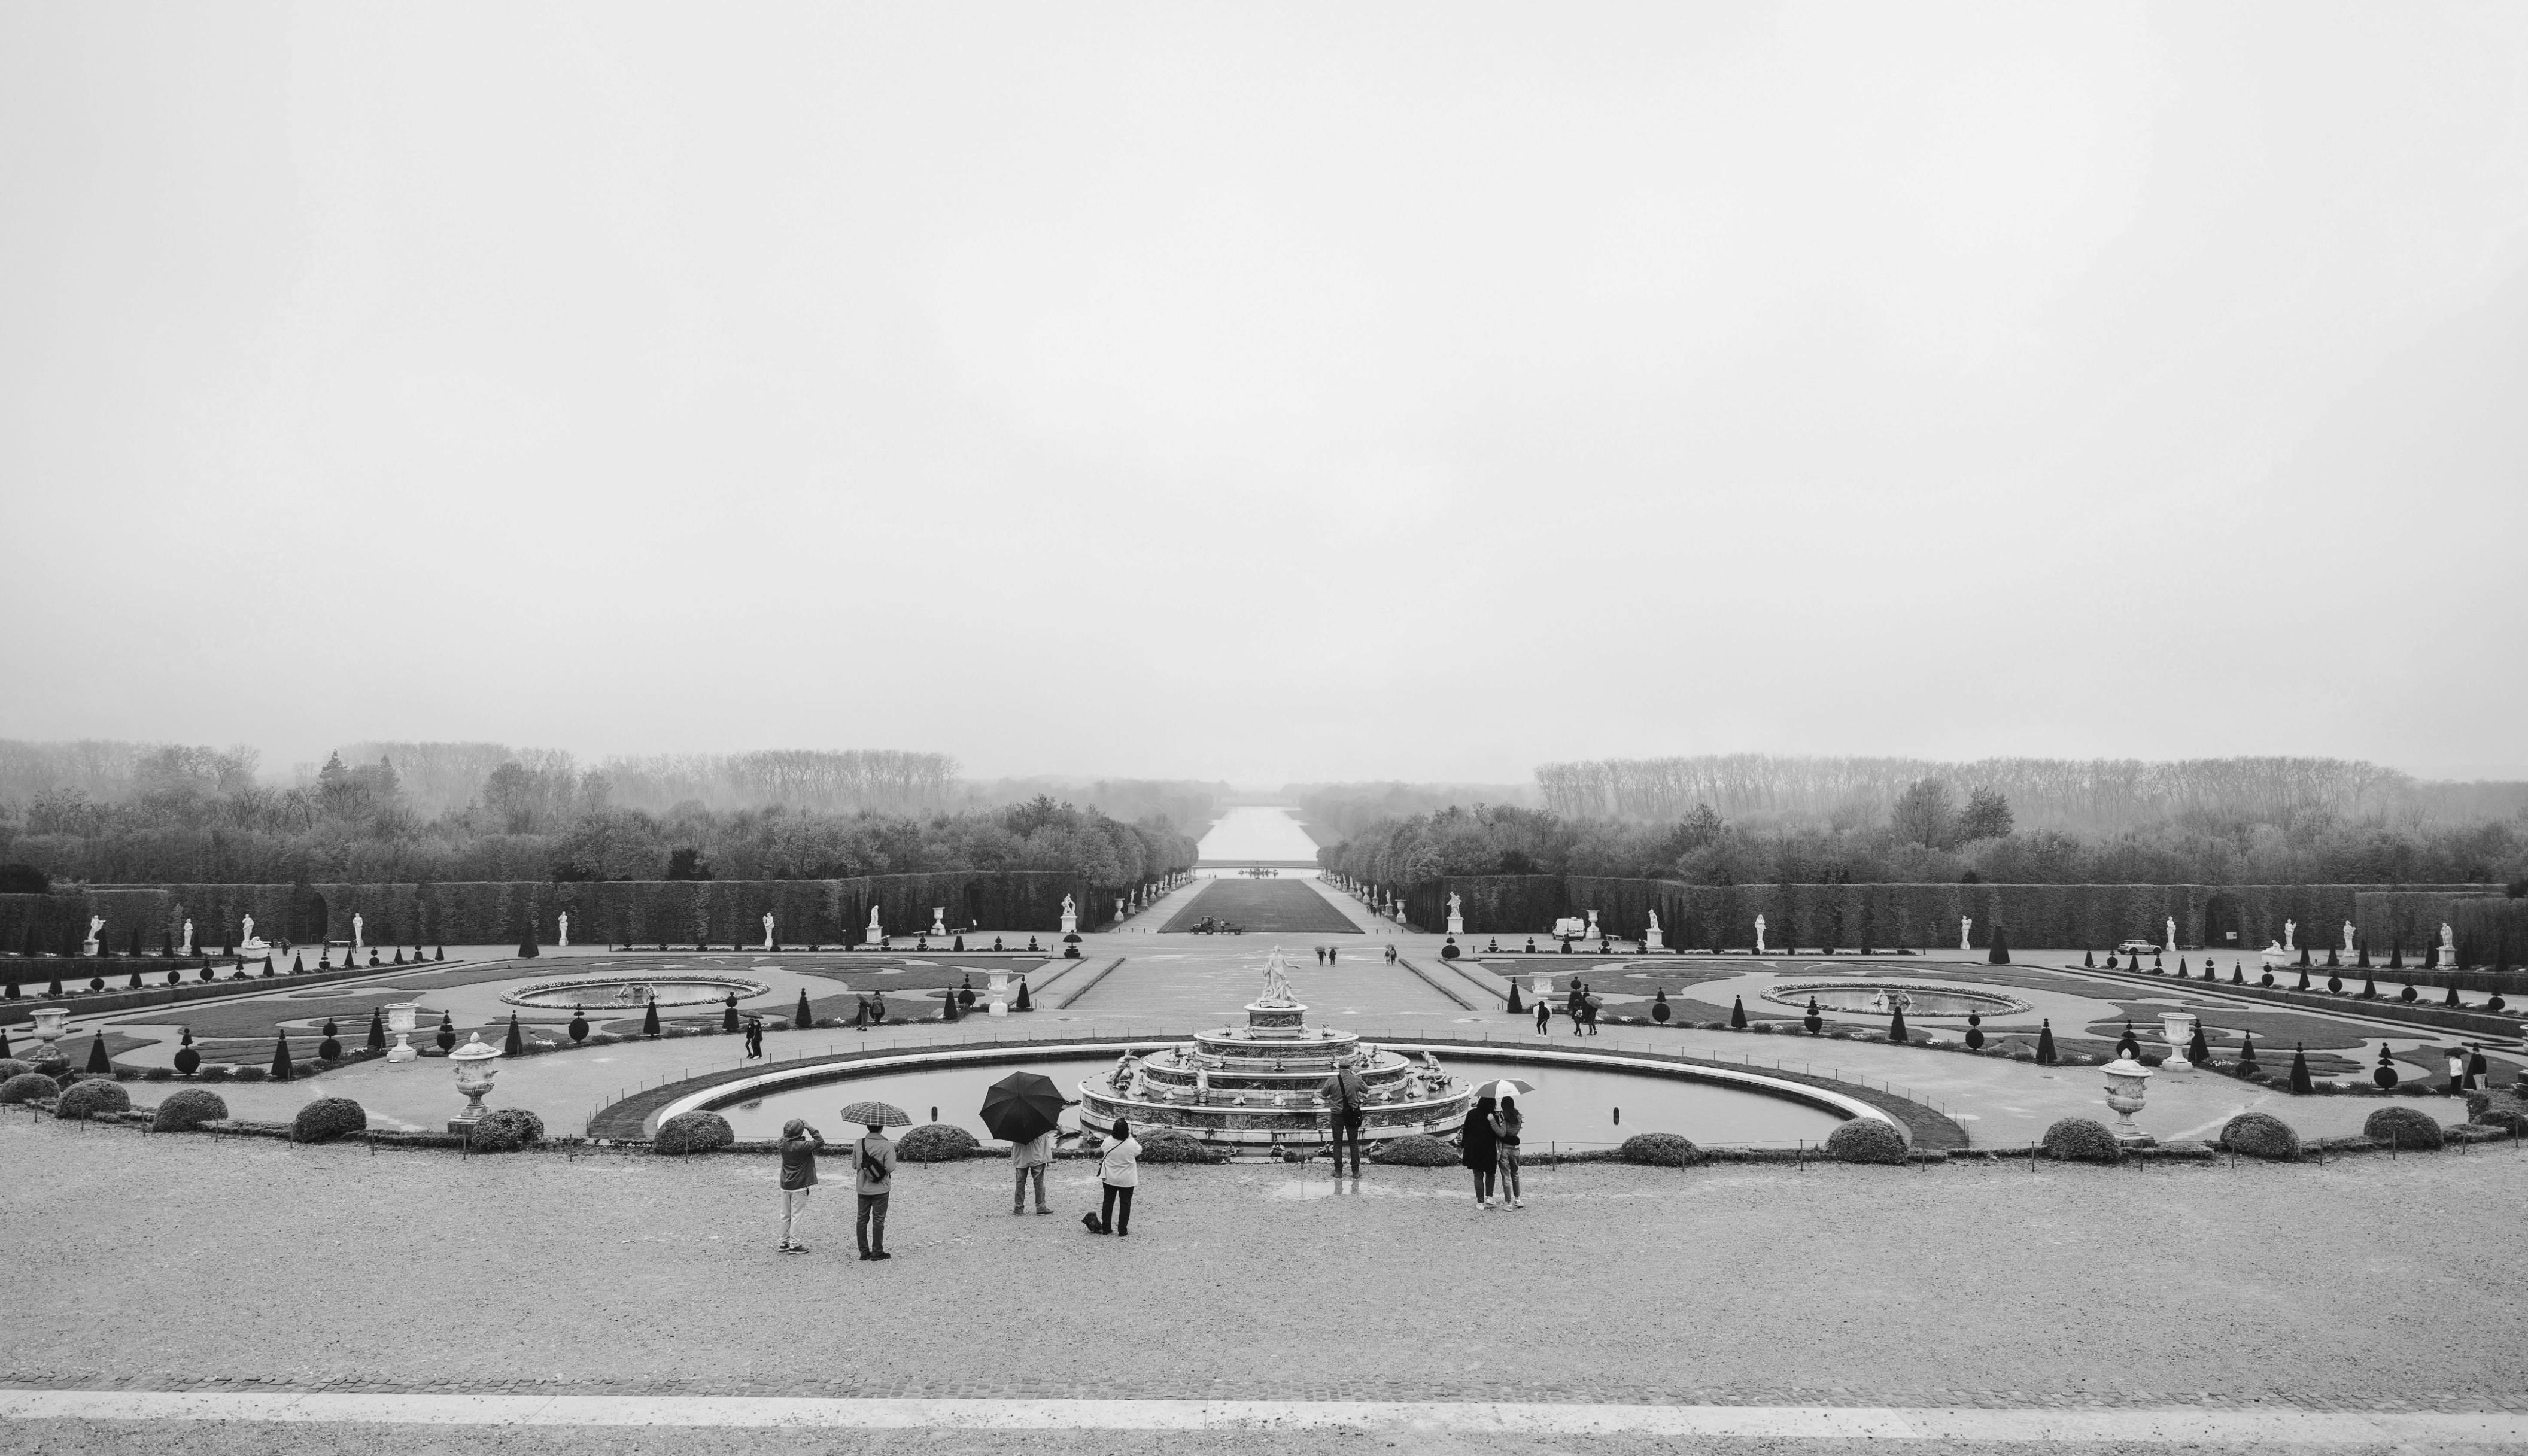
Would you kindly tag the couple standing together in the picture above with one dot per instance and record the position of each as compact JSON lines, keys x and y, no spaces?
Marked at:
{"x":1118,"y":1173}
{"x":874,"y":1163}
{"x":1488,"y":1147}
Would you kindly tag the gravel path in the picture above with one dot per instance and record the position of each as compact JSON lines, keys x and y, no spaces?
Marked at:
{"x":1940,"y":1286}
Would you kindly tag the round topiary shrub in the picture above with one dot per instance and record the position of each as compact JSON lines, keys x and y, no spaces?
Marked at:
{"x":2504,"y":1119}
{"x":2407,"y":1128}
{"x":1415,"y":1150}
{"x":11,"y":1067}
{"x":2260,"y":1135}
{"x":187,"y":1110}
{"x":249,"y":1073}
{"x":94,"y":1097}
{"x":27,"y":1086}
{"x":1660,"y":1150}
{"x":2081,"y":1140}
{"x":327,"y":1119}
{"x":217,"y":1072}
{"x":1867,"y":1140}
{"x":507,"y":1129}
{"x":1179,"y":1147}
{"x":937,"y":1142}
{"x":692,"y":1132}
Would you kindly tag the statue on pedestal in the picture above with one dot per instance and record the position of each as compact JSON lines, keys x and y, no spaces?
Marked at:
{"x":1653,"y":938}
{"x":1760,"y":935}
{"x":188,"y":939}
{"x":2172,"y":935}
{"x":2448,"y":947}
{"x":562,"y":934}
{"x":2348,"y":939}
{"x":357,"y":942}
{"x":873,"y":934}
{"x":1277,"y":982}
{"x":95,"y":928}
{"x":1966,"y":932}
{"x":767,"y":930}
{"x":2291,"y":932}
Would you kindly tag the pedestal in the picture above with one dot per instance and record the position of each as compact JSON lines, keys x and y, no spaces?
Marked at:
{"x":88,"y":947}
{"x":1070,"y":923}
{"x":1000,"y":993}
{"x":402,"y":1050}
{"x":1456,"y":925}
{"x":1654,"y":940}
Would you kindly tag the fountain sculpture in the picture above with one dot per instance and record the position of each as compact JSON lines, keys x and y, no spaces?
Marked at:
{"x":1254,"y":1087}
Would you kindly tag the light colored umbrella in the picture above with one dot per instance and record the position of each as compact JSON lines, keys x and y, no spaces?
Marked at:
{"x":876,"y":1115}
{"x":1500,"y":1087}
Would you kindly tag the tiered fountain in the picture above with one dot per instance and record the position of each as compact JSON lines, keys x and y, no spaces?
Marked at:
{"x":1254,"y":1087}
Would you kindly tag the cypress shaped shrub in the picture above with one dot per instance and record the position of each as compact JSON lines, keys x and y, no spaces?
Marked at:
{"x":27,"y":1086}
{"x":938,"y":1142}
{"x":2407,"y":1128}
{"x":692,"y":1132}
{"x":1415,"y":1150}
{"x":1866,"y":1140}
{"x":2080,"y":1140}
{"x":1662,"y":1150}
{"x":327,"y":1119}
{"x":189,"y":1109}
{"x":2045,"y":1051}
{"x":2260,"y":1135}
{"x":81,"y":1101}
{"x":507,"y":1129}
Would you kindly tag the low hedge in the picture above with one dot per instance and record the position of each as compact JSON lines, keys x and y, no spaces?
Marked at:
{"x":1660,"y":1150}
{"x":1179,"y":1147}
{"x":2081,"y":1140}
{"x":95,"y":1097}
{"x":937,"y":1142}
{"x":189,"y":1109}
{"x":27,"y":1087}
{"x":1867,"y":1140}
{"x":1415,"y":1150}
{"x":507,"y":1129}
{"x":327,"y":1119}
{"x":2407,"y":1128}
{"x":11,"y":1067}
{"x":692,"y":1132}
{"x":2260,"y":1135}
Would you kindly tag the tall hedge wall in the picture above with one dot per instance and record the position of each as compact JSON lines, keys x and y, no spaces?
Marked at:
{"x":2490,"y":929}
{"x":1907,"y":916}
{"x":505,"y":912}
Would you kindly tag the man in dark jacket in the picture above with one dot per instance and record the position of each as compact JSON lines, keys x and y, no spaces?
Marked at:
{"x":1346,"y":1098}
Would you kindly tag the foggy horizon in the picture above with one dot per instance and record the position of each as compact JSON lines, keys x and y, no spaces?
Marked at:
{"x":1270,"y":396}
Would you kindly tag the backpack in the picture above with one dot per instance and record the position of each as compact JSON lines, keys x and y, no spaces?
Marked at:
{"x":870,"y":1167}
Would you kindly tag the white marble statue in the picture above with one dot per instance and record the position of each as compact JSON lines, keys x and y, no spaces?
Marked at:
{"x":1069,"y":907}
{"x":1760,"y":935}
{"x":95,"y":928}
{"x":1277,"y":982}
{"x":1456,"y":905}
{"x":562,"y":932}
{"x":1966,"y":932}
{"x":1122,"y":1076}
{"x":2448,"y":947}
{"x":358,"y":940}
{"x":188,"y":939}
{"x":874,"y":934}
{"x":2348,"y":939}
{"x":767,"y":930}
{"x":2172,"y":935}
{"x":245,"y":936}
{"x":2290,"y":935}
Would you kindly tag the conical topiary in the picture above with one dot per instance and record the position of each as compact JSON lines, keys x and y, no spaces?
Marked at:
{"x":2181,"y":969}
{"x":578,"y":1025}
{"x":2361,"y":958}
{"x":802,"y":1015}
{"x":446,"y":1037}
{"x":280,"y":1071}
{"x":1975,"y":1031}
{"x":2334,"y":959}
{"x":1999,"y":954}
{"x":2397,"y":955}
{"x":2199,"y":1049}
{"x":2303,"y":958}
{"x":2089,"y":961}
{"x":267,"y":965}
{"x":650,"y":1018}
{"x":1024,"y":1004}
{"x":96,"y":1057}
{"x":2045,"y":1041}
{"x":443,"y":952}
{"x":516,"y":1044}
{"x":398,"y":956}
{"x":2237,"y":973}
{"x":2248,"y":1053}
{"x":1896,"y":1022}
{"x":378,"y":1029}
{"x":1738,"y":1013}
{"x":2304,"y":975}
{"x":2128,"y":1045}
{"x":1514,"y":1005}
{"x":948,"y":1005}
{"x":298,"y":965}
{"x":2369,"y":988}
{"x":135,"y":979}
{"x":2300,"y":1081}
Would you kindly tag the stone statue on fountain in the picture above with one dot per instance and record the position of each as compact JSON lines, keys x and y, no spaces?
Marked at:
{"x":1277,"y":982}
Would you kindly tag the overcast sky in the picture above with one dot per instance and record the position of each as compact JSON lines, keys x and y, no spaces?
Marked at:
{"x":1269,"y":393}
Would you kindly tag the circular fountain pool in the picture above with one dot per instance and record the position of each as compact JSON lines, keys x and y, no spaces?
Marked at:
{"x":1863,"y":998}
{"x":634,"y":991}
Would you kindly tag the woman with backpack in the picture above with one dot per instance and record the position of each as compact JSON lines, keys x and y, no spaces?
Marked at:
{"x":1478,"y":1151}
{"x":1119,"y":1172}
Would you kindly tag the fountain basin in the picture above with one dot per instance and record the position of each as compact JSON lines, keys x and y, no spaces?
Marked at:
{"x":1863,"y":998}
{"x":633,"y":992}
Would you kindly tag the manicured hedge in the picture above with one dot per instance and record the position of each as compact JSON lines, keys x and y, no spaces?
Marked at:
{"x":89,"y":1099}
{"x":692,"y":1132}
{"x":327,"y":1119}
{"x":507,"y":1129}
{"x":1179,"y":1147}
{"x":937,"y":1142}
{"x":2081,"y":1140}
{"x":1866,"y":1140}
{"x":2260,"y":1135}
{"x":189,"y":1109}
{"x":2407,"y":1128}
{"x":27,"y":1087}
{"x":1662,"y":1150}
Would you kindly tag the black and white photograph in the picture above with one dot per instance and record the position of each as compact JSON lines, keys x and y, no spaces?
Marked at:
{"x":828,"y":728}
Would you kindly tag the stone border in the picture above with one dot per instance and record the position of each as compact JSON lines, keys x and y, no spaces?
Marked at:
{"x":2010,"y":1005}
{"x":572,"y":983}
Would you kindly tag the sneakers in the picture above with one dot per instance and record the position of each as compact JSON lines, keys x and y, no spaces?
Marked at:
{"x":877,"y":1255}
{"x":794,"y":1248}
{"x":1041,"y":1210}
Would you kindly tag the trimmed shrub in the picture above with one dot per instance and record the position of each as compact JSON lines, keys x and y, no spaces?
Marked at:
{"x":507,"y":1129}
{"x":2260,"y":1135}
{"x":937,"y":1142}
{"x":1415,"y":1150}
{"x":189,"y":1109}
{"x":27,"y":1086}
{"x":2081,"y":1140}
{"x":327,"y":1119}
{"x":91,"y":1098}
{"x":250,"y":1072}
{"x":159,"y":1074}
{"x":11,"y":1067}
{"x":1866,"y":1140}
{"x":1179,"y":1147}
{"x":218,"y":1071}
{"x":692,"y":1132}
{"x":2408,"y":1127}
{"x":1660,"y":1150}
{"x":2502,"y":1118}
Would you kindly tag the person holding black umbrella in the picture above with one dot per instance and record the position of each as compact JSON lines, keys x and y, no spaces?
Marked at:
{"x":1026,"y":1109}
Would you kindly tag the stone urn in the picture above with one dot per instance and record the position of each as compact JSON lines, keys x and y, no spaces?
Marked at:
{"x":474,"y":1074}
{"x":48,"y":1058}
{"x":1000,"y":993}
{"x":2178,"y":1029}
{"x":2128,"y":1088}
{"x":399,"y":1020}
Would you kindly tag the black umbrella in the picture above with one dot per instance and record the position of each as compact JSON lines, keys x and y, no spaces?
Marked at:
{"x":1021,"y":1107}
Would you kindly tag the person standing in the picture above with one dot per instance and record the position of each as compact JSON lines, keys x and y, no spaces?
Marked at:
{"x":1506,"y":1122}
{"x":1028,"y":1161}
{"x":1119,"y":1172}
{"x":1346,"y":1100}
{"x":1332,"y":954}
{"x":799,"y":1146}
{"x":1589,"y":1012}
{"x":1477,"y":1150}
{"x":755,"y":1038}
{"x":2479,"y":1070}
{"x":1578,"y":1008}
{"x":877,"y":1007}
{"x":875,"y":1156}
{"x":1544,"y":1015}
{"x":2455,"y":1058}
{"x":1321,"y":955}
